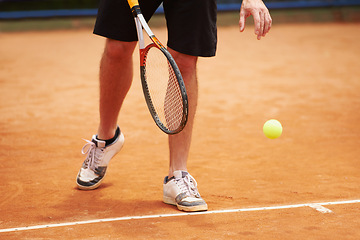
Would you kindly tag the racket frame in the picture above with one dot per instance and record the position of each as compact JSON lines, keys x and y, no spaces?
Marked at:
{"x":141,"y":24}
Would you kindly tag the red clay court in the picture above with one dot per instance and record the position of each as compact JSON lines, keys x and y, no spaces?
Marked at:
{"x":305,"y":75}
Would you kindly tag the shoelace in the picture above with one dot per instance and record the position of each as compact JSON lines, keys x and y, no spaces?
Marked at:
{"x":188,"y":185}
{"x":94,"y":154}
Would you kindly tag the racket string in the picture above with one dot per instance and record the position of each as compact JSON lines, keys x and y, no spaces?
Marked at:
{"x":163,"y":88}
{"x":173,"y":107}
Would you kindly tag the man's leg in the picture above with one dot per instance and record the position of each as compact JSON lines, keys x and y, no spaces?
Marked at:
{"x":179,"y":144}
{"x":180,"y":188}
{"x":116,"y":72}
{"x":115,"y":81}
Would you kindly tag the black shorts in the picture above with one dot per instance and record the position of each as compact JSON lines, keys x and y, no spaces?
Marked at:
{"x":191,"y":23}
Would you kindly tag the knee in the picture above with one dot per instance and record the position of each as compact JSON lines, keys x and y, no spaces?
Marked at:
{"x":117,"y":49}
{"x":186,"y":63}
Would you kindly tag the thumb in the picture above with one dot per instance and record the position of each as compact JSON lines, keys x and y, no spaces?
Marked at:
{"x":242,"y":20}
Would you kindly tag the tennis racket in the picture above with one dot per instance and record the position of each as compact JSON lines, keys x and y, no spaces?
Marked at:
{"x":162,"y":83}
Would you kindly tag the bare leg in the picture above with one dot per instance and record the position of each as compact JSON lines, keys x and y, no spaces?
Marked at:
{"x":116,"y":72}
{"x":179,"y":144}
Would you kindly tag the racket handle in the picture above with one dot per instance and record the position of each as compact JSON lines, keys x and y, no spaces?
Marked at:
{"x":133,"y":3}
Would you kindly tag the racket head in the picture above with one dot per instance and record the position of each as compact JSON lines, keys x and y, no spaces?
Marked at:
{"x":163,"y":88}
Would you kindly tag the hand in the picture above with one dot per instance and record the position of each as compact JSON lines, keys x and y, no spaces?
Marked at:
{"x":260,"y":13}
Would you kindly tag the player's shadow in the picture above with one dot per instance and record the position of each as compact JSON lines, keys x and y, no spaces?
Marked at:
{"x":104,"y":203}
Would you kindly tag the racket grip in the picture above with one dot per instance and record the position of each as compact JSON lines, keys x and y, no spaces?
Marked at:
{"x":133,"y":3}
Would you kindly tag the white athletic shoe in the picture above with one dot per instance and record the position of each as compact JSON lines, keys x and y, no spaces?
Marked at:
{"x":181,"y":191}
{"x":98,"y":157}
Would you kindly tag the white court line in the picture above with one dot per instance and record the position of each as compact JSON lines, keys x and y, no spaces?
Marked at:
{"x":317,"y":206}
{"x":320,"y":208}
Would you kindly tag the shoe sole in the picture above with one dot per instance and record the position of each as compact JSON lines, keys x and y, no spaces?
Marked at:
{"x":90,"y":187}
{"x":170,"y":201}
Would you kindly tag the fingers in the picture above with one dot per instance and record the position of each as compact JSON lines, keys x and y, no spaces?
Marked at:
{"x":257,"y":23}
{"x":268,"y":22}
{"x":260,"y":32}
{"x":264,"y":24}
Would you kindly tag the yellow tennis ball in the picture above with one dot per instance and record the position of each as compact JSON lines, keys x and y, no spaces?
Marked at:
{"x":272,"y":129}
